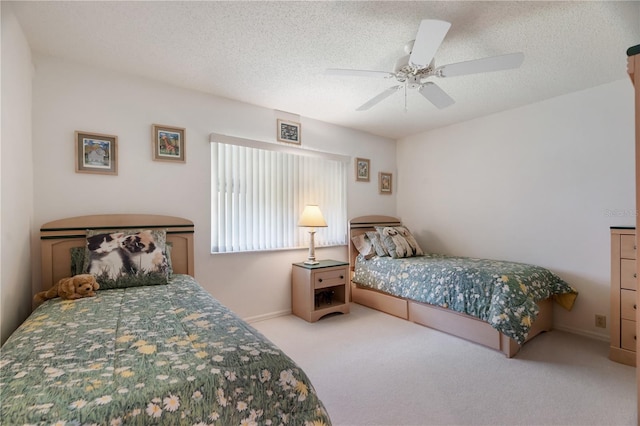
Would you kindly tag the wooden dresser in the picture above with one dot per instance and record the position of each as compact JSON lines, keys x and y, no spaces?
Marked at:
{"x":633,"y":65}
{"x":624,"y":283}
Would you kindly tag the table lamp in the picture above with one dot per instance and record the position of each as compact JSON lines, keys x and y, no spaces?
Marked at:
{"x":312,"y":218}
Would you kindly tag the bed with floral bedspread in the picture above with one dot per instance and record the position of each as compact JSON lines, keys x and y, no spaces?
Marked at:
{"x":167,"y":354}
{"x":504,"y":294}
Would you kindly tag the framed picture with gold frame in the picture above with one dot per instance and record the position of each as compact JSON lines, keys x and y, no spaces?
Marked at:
{"x":362,"y":169}
{"x":96,"y":153}
{"x":169,"y":144}
{"x":385,"y":183}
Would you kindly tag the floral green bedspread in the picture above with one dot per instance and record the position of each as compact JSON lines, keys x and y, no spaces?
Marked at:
{"x":504,"y":294}
{"x":168,"y":354}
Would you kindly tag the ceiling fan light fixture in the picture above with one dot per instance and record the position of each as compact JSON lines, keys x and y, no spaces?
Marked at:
{"x":414,"y":69}
{"x":413,"y":81}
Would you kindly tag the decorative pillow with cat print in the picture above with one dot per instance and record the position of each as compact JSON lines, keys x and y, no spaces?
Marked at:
{"x":127,"y":258}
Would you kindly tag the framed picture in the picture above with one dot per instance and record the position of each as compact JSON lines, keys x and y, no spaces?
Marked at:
{"x":385,"y":183}
{"x":96,"y":153}
{"x":362,"y":169}
{"x":288,"y":131}
{"x":169,"y":144}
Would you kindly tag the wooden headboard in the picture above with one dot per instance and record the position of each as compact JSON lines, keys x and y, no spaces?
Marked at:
{"x":58,"y":237}
{"x":362,"y":224}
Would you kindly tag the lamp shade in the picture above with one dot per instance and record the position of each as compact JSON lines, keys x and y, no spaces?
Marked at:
{"x":312,"y":217}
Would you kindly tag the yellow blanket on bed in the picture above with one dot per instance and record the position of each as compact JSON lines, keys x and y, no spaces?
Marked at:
{"x":566,"y":300}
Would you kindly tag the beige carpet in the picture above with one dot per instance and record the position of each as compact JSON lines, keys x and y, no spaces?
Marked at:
{"x":370,"y":368}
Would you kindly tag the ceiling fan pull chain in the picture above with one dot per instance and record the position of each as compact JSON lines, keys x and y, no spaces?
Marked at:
{"x":405,"y":97}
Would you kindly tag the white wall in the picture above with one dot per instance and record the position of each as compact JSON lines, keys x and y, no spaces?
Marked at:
{"x":69,"y":97}
{"x":540,"y":184}
{"x":16,"y":176}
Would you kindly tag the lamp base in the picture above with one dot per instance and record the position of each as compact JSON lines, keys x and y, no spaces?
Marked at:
{"x":311,"y":259}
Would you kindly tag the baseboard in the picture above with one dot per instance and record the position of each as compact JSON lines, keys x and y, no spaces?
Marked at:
{"x":270,"y":315}
{"x":589,"y":334}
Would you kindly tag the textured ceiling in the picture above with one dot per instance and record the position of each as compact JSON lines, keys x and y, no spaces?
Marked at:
{"x":273,"y":54}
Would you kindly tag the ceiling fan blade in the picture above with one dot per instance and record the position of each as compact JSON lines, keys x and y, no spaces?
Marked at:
{"x":430,"y":35}
{"x":378,"y":98}
{"x":358,"y":73}
{"x":493,"y":63}
{"x":436,"y":95}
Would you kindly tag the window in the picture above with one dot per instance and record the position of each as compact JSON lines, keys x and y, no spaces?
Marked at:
{"x":259,"y":190}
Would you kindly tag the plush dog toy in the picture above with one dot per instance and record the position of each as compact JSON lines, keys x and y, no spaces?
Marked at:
{"x":76,"y":287}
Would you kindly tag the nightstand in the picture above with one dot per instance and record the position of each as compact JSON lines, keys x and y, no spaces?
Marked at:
{"x":319,"y":290}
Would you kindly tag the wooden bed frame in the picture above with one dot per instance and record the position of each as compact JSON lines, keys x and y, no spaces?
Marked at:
{"x":58,"y":237}
{"x":455,"y":323}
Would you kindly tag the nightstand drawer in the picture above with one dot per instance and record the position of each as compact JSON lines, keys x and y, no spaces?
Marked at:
{"x":329,"y":278}
{"x":628,"y":277}
{"x":628,"y":335}
{"x":628,"y":246}
{"x":628,"y":304}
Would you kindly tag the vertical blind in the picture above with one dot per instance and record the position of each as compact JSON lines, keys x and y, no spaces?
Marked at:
{"x":258,"y":191}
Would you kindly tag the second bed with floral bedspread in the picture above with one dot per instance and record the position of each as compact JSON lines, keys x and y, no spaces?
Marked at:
{"x":504,"y":294}
{"x":166,"y":354}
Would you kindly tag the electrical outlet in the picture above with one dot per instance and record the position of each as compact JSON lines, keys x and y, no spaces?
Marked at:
{"x":601,"y":321}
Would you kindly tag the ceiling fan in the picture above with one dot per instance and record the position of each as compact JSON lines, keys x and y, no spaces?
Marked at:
{"x":414,"y":70}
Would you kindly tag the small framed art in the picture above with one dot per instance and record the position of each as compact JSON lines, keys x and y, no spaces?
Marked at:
{"x":362,"y":169}
{"x":169,"y":144}
{"x":288,"y":131}
{"x":385,"y":183}
{"x":96,"y":153}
